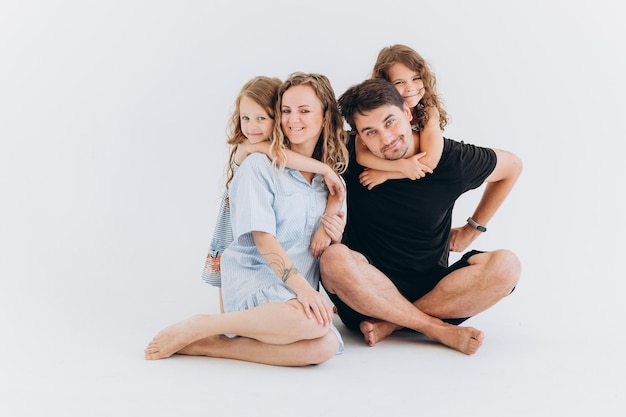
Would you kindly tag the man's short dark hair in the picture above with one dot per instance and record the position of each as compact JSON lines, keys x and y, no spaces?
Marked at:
{"x":369,"y":95}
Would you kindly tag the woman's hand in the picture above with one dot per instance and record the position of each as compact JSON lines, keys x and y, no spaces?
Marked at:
{"x":334,"y":226}
{"x":329,"y":231}
{"x":315,"y":306}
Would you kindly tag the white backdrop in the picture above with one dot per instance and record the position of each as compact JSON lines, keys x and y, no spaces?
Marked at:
{"x":112,"y":149}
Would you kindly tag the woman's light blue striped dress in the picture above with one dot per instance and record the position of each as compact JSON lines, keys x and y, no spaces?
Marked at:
{"x":284,"y":205}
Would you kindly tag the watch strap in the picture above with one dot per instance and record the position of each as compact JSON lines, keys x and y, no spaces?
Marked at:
{"x":475,"y":225}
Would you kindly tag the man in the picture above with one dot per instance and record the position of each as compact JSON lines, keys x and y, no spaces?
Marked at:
{"x":391,"y":272}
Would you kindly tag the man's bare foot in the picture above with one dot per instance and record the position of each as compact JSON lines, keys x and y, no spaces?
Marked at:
{"x":464,"y":339}
{"x":173,"y":338}
{"x":376,"y":331}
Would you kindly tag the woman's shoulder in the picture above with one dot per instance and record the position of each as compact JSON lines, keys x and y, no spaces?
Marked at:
{"x":256,"y":160}
{"x":256,"y":165}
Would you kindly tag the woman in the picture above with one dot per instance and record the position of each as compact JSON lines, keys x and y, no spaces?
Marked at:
{"x":251,"y":129}
{"x":274,"y":313}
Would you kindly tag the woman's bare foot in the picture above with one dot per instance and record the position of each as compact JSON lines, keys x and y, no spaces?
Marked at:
{"x":175,"y":337}
{"x":376,"y":331}
{"x":211,"y":346}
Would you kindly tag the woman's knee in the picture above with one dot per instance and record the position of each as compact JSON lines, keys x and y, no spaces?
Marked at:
{"x":302,"y":327}
{"x":322,"y":349}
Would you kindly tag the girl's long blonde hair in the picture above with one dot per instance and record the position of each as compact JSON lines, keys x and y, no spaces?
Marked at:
{"x":402,"y":54}
{"x":263,"y":91}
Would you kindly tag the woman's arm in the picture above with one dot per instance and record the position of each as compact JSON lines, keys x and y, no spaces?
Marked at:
{"x":313,"y":301}
{"x":325,"y":234}
{"x":337,"y":189}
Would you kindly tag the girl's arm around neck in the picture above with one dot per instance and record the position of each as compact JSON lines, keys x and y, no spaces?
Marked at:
{"x":431,"y":140}
{"x":246,"y":148}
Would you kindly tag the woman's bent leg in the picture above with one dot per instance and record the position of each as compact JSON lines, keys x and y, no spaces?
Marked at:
{"x":272,"y":323}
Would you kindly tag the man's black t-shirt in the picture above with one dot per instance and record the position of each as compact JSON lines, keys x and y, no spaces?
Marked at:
{"x":403,"y":226}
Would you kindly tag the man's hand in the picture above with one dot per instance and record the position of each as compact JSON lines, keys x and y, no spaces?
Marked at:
{"x":462,"y":237}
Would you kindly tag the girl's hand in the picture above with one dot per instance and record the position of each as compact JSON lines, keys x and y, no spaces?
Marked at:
{"x":319,"y":242}
{"x":370,"y":178}
{"x":335,"y":185}
{"x":315,"y":306}
{"x":412,"y":168}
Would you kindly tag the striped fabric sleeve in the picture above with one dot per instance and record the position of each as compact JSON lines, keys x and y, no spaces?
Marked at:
{"x":222,"y":237}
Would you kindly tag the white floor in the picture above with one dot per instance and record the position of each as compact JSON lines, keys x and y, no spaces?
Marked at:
{"x":111,"y":129}
{"x":85,"y":358}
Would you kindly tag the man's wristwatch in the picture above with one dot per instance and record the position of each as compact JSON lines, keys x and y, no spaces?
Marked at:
{"x":475,"y":225}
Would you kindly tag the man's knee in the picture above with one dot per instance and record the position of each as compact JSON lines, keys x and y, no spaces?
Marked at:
{"x":332,"y":252}
{"x":507,"y":267}
{"x":332,"y":256}
{"x":331,"y":262}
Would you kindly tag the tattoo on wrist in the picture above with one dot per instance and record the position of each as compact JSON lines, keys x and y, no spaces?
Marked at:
{"x":288,"y":272}
{"x":277,"y":263}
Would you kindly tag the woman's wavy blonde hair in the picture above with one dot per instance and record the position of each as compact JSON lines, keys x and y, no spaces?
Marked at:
{"x":331,"y":146}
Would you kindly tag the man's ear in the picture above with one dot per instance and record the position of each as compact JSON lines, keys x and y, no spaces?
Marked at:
{"x":407,"y":111}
